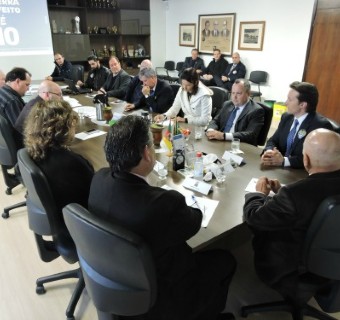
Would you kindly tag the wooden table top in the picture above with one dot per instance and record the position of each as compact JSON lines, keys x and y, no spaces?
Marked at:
{"x":229,"y":211}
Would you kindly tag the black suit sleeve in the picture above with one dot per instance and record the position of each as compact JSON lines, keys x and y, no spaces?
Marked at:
{"x":119,"y":91}
{"x":162,"y":100}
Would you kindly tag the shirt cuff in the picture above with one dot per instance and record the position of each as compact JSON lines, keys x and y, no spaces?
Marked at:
{"x":286,"y":162}
{"x":228,"y":136}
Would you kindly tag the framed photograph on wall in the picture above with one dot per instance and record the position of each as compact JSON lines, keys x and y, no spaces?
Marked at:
{"x":251,"y":35}
{"x":187,"y":34}
{"x":216,"y":31}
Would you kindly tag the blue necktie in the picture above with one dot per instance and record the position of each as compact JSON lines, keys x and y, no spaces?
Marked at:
{"x":230,"y":120}
{"x":290,"y":138}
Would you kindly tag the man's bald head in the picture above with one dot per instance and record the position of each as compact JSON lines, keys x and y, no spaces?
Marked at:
{"x":145,"y":64}
{"x":49,"y":90}
{"x":321,"y":151}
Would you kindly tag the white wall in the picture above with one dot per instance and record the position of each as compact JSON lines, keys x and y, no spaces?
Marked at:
{"x":285,"y":42}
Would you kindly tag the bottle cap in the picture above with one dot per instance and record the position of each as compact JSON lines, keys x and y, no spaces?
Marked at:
{"x":199,"y":154}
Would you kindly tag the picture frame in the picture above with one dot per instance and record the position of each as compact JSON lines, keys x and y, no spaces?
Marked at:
{"x":187,"y":34}
{"x":251,"y":35}
{"x":216,"y":31}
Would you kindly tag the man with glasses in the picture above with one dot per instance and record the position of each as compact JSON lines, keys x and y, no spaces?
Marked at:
{"x":48,"y":90}
{"x":97,"y":75}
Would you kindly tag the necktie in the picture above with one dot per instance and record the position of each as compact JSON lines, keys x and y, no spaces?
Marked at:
{"x":230,"y":120}
{"x":290,"y":138}
{"x":152,"y":92}
{"x":231,"y":69}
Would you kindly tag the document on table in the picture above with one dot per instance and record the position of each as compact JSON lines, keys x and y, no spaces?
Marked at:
{"x":197,"y":185}
{"x":207,"y":207}
{"x":72,"y":101}
{"x":89,"y":134}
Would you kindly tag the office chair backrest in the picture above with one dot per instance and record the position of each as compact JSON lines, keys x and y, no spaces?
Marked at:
{"x":322,"y":244}
{"x":8,"y":148}
{"x":117,"y":264}
{"x":218,"y":98}
{"x":335,"y":125}
{"x":169,"y":65}
{"x":77,"y":73}
{"x":268,"y":115}
{"x":258,"y":77}
{"x":175,"y":87}
{"x":179,"y":66}
{"x":43,"y":215}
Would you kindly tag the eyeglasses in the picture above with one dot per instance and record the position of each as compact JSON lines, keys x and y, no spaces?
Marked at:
{"x":55,"y":93}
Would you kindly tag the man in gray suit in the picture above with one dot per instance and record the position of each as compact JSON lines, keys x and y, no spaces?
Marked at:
{"x":239,"y":118}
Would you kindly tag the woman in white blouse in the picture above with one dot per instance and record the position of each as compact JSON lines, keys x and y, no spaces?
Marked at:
{"x":194,"y":98}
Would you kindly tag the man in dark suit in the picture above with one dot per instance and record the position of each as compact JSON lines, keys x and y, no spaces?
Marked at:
{"x":284,"y":148}
{"x":117,"y":82}
{"x":157,"y":95}
{"x":62,"y":69}
{"x":235,"y":70}
{"x":206,"y":31}
{"x":194,"y":62}
{"x":240,"y":118}
{"x":215,"y":68}
{"x":280,"y":223}
{"x":190,"y":285}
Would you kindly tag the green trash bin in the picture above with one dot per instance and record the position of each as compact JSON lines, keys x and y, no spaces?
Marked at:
{"x":270,"y":103}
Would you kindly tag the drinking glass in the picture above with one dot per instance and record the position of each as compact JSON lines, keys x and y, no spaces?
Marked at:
{"x":235,"y":145}
{"x":220,"y":176}
{"x":198,"y":132}
{"x":162,"y":173}
{"x":81,"y":113}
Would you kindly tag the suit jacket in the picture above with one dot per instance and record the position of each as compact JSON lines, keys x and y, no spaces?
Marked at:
{"x":198,"y":64}
{"x":216,"y":68}
{"x":279,"y":139}
{"x":69,"y":176}
{"x":160,"y":217}
{"x":160,"y":101}
{"x":96,"y":78}
{"x":118,"y":85}
{"x":280,"y":224}
{"x":237,"y":73}
{"x":134,"y":91}
{"x":248,"y":124}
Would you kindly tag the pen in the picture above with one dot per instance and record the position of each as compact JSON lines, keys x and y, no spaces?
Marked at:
{"x":195,"y":202}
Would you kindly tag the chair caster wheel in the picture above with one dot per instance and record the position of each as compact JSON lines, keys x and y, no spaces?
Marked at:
{"x":5,"y":215}
{"x":8,"y":191}
{"x":40,"y":289}
{"x":70,"y":318}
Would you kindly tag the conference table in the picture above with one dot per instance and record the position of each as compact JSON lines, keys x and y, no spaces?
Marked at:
{"x":228,"y":214}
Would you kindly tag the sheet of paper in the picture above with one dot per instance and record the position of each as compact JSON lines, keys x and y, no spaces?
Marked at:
{"x":89,"y":134}
{"x":251,"y":187}
{"x":196,"y":185}
{"x":72,"y":101}
{"x":230,"y":156}
{"x":89,"y":112}
{"x":207,"y":207}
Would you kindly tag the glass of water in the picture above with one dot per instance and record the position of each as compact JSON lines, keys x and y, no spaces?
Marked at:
{"x":220,"y":175}
{"x":235,"y":145}
{"x":162,"y":173}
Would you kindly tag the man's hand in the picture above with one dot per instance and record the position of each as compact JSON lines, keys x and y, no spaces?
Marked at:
{"x":263,"y":185}
{"x":272,"y":158}
{"x":146,"y":90}
{"x":129,"y":107}
{"x":275,"y":185}
{"x":214,"y":134}
{"x":159,"y":118}
{"x":79,"y":83}
{"x":49,"y":78}
{"x":224,"y":78}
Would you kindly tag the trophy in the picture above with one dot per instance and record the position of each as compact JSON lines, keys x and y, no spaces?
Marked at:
{"x":75,"y":25}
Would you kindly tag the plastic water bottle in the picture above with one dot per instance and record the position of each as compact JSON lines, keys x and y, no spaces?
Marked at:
{"x":198,"y":166}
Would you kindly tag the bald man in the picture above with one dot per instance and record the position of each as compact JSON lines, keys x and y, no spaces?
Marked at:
{"x":280,"y":223}
{"x":48,"y":90}
{"x":2,"y":78}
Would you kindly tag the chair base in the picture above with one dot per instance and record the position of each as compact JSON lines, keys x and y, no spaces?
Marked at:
{"x":5,"y":214}
{"x":297,"y":313}
{"x":11,"y":180}
{"x":77,"y":273}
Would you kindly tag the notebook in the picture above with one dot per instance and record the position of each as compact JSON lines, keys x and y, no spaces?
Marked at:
{"x":74,"y":88}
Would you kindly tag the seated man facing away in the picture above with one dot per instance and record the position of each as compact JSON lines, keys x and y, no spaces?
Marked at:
{"x":190,"y":285}
{"x":62,"y":70}
{"x":48,"y":90}
{"x":240,"y":118}
{"x":117,"y":82}
{"x":157,"y":95}
{"x":284,"y":148}
{"x":280,"y":223}
{"x":134,"y":91}
{"x":193,"y":62}
{"x":215,"y":69}
{"x":96,"y":76}
{"x":235,"y":70}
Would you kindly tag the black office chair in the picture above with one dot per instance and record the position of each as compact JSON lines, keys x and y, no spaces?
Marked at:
{"x":45,"y":220}
{"x":175,"y":74}
{"x":117,"y":265}
{"x":220,"y":96}
{"x":321,"y":262}
{"x":258,"y":78}
{"x":335,"y":125}
{"x":8,"y":160}
{"x":163,"y":72}
{"x":268,"y":116}
{"x":77,"y":73}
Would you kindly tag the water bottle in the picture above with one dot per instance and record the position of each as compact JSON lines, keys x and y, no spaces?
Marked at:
{"x":198,"y":166}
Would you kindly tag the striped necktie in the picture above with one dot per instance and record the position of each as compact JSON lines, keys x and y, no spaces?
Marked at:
{"x":290,"y":138}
